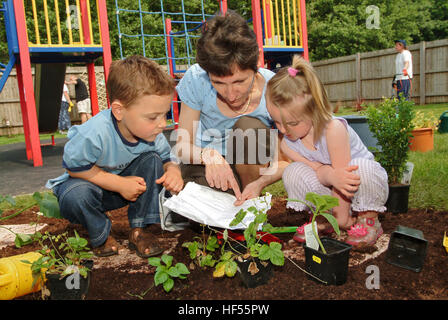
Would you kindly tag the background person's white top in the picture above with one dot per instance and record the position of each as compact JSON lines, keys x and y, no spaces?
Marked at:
{"x":399,"y":65}
{"x":64,"y":90}
{"x":196,"y":91}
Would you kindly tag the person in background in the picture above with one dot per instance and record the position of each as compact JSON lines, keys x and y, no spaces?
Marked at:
{"x":403,"y":69}
{"x":64,"y":122}
{"x":82,"y":98}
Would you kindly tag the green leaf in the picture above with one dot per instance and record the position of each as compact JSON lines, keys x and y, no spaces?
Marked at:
{"x":160,"y":277}
{"x":168,"y":285}
{"x":231,"y":268}
{"x":173,"y":272}
{"x":182,"y":268}
{"x":48,"y":205}
{"x":238,"y":218}
{"x":168,"y":260}
{"x":154,"y":261}
{"x":332,"y":220}
{"x":212,"y":243}
{"x":225,"y":235}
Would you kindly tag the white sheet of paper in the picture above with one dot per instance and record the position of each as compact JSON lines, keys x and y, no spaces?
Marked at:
{"x":311,"y":240}
{"x":211,"y":207}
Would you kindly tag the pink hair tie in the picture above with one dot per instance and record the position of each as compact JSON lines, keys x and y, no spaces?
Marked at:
{"x":292,"y":72}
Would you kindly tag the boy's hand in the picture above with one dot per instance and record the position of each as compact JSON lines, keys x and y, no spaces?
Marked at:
{"x":132,"y":187}
{"x":172,"y":179}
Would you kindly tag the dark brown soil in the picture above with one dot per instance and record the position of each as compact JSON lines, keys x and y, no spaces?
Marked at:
{"x":287,"y":282}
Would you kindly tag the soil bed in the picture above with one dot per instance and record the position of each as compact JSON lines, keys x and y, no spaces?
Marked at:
{"x":127,"y":276}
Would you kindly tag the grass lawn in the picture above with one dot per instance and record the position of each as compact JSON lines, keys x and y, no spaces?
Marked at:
{"x":17,"y":138}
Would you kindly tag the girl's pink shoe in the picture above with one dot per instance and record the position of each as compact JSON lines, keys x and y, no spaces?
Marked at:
{"x":366,"y":231}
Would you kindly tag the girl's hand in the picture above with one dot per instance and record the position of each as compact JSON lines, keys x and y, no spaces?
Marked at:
{"x":131,"y":187}
{"x":218,"y":172}
{"x":172,"y":180}
{"x":344,"y":180}
{"x":251,"y":191}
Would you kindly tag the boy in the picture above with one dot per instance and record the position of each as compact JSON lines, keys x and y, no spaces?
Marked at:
{"x":121,"y":157}
{"x":82,"y":98}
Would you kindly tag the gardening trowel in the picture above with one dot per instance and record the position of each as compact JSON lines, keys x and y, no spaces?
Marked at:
{"x":270,"y":229}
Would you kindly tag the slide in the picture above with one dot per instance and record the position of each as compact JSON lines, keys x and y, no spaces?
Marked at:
{"x":48,"y":86}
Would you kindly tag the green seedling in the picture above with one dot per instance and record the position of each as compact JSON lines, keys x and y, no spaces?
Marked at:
{"x":165,"y":271}
{"x":322,"y":206}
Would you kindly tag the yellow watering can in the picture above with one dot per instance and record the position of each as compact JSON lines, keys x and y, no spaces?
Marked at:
{"x":445,"y":242}
{"x":16,"y":278}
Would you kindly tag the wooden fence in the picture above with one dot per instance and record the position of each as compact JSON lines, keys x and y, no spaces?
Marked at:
{"x":368,"y":76}
{"x":348,"y":80}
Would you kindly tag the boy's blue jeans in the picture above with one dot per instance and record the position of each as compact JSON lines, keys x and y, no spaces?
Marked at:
{"x":85,"y":203}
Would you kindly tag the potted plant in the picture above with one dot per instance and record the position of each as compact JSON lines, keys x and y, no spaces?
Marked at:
{"x":64,"y":266}
{"x":254,"y":257}
{"x":391,"y":124}
{"x":329,"y":261}
{"x":423,"y":134}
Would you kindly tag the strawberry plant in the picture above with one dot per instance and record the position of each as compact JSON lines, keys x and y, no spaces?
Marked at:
{"x":165,"y":271}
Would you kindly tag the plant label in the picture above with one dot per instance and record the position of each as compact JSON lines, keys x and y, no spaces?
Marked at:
{"x":407,"y":173}
{"x":311,"y":241}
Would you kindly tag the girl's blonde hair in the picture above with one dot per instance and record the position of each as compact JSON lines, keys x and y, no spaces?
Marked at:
{"x":301,"y":80}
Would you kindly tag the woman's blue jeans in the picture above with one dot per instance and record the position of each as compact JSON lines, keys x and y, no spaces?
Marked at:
{"x":85,"y":203}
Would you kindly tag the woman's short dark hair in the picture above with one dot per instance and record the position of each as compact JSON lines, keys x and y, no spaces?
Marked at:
{"x":227,"y":40}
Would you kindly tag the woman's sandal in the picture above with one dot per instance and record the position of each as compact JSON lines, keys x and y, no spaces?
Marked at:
{"x":106,"y":249}
{"x":140,"y":240}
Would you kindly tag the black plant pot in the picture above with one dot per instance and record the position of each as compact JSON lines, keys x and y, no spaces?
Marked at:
{"x":75,"y":288}
{"x":398,"y":199}
{"x":259,"y":278}
{"x":332,"y":267}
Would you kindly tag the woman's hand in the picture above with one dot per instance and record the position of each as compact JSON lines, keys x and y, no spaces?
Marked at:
{"x":251,"y":191}
{"x":218,"y":172}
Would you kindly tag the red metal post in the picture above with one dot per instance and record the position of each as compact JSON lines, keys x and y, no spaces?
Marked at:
{"x":30,"y":119}
{"x":223,"y":6}
{"x":304,"y":34}
{"x":256,"y":18}
{"x":169,"y":40}
{"x":26,"y":130}
{"x":104,"y":27}
{"x":90,"y":66}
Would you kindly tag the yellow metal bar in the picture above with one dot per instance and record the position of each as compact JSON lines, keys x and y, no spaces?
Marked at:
{"x":78,"y":15}
{"x":58,"y":22}
{"x":69,"y":22}
{"x":300,"y":23}
{"x":271,"y":7}
{"x":295,"y":20}
{"x":277,"y":20}
{"x":289,"y":21}
{"x":47,"y":22}
{"x":36,"y":26}
{"x":75,"y":45}
{"x":283,"y":23}
{"x":265,"y":22}
{"x":99,"y":24}
{"x":92,"y":41}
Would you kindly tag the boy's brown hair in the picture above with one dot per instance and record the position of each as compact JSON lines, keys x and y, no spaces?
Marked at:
{"x":227,"y":40}
{"x":137,"y":76}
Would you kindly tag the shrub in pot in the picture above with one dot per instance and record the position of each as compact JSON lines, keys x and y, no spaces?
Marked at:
{"x":328,"y":262}
{"x":64,"y":265}
{"x":391,"y":124}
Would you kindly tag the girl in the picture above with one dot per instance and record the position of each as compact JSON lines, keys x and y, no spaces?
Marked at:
{"x":328,"y":156}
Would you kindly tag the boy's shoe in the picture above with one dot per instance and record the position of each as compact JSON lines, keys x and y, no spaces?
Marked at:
{"x":144,"y":243}
{"x":299,"y":236}
{"x":106,"y":249}
{"x":365,"y":232}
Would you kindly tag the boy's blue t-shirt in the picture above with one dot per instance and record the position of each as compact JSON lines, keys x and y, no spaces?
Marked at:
{"x":196,"y":91}
{"x":99,"y":142}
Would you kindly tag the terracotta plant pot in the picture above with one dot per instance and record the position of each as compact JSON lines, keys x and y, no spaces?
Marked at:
{"x":423,"y":140}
